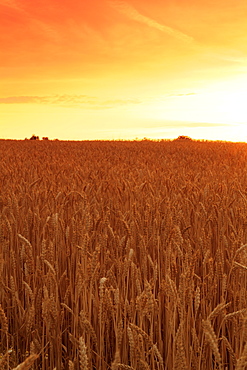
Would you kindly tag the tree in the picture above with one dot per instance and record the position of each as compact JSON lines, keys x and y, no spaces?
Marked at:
{"x":184,"y":138}
{"x":33,"y":137}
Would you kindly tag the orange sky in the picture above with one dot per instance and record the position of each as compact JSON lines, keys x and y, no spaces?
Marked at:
{"x":123,"y":69}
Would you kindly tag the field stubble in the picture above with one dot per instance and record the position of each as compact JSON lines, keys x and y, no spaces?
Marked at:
{"x":123,"y":255}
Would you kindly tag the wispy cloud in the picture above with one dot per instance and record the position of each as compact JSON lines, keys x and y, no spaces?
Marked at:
{"x":83,"y":101}
{"x":128,"y":10}
{"x":177,"y":124}
{"x":182,"y":94}
{"x":17,"y":100}
{"x":13,"y":4}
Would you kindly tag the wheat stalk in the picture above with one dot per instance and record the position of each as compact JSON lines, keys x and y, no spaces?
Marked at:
{"x":83,"y":354}
{"x":212,"y":340}
{"x":25,"y":365}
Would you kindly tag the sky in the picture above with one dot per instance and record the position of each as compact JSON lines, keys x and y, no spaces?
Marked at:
{"x":112,"y":69}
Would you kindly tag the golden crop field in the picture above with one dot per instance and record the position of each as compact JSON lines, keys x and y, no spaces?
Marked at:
{"x":123,"y":255}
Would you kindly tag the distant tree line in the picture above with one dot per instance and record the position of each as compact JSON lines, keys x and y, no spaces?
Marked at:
{"x":184,"y":138}
{"x":179,"y":138}
{"x":34,"y":137}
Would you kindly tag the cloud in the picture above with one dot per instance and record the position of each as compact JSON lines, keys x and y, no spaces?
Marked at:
{"x":165,"y":124}
{"x":173,"y":124}
{"x":17,"y":100}
{"x":13,"y":4}
{"x":182,"y":94}
{"x":128,"y":10}
{"x":83,"y":101}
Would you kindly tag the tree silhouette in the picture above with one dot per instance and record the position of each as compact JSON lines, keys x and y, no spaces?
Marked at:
{"x":33,"y":137}
{"x":184,"y":138}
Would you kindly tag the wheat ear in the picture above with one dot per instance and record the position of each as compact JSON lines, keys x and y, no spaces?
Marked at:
{"x":25,"y":365}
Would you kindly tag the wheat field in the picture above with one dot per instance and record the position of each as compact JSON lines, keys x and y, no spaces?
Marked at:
{"x":123,"y":255}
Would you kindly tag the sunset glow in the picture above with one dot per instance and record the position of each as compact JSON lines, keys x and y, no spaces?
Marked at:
{"x":100,"y":69}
